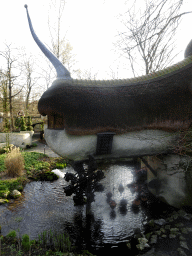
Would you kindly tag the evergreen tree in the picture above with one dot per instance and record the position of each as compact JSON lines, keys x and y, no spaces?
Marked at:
{"x":23,"y":124}
{"x":29,"y":124}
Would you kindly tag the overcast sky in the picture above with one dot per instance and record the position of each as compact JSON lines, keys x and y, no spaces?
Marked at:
{"x":91,"y":26}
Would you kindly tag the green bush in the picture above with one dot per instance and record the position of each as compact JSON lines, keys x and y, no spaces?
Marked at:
{"x":12,"y":184}
{"x":29,"y":124}
{"x":26,"y":243}
{"x":23,"y":124}
{"x":58,"y":242}
{"x":47,"y":176}
{"x":12,"y":234}
{"x":17,"y":122}
{"x":61,"y":165}
{"x":4,"y":191}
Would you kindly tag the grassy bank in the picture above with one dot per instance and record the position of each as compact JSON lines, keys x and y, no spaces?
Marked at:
{"x":37,"y":166}
{"x":47,"y":244}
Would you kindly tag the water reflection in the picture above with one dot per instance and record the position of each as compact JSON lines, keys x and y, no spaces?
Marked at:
{"x":44,"y":206}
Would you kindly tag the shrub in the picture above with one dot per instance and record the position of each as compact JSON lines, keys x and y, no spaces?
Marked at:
{"x":29,"y":124}
{"x":17,"y":122}
{"x":61,"y":165}
{"x":12,"y":234}
{"x":25,"y":242}
{"x":55,"y":241}
{"x":4,"y":191}
{"x":12,"y":184}
{"x":23,"y":124}
{"x":47,"y":176}
{"x":14,"y":163}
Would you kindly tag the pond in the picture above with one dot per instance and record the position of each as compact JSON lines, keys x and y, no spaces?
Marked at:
{"x":44,"y":206}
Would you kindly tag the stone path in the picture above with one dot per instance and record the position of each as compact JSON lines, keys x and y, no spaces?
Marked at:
{"x":41,"y":147}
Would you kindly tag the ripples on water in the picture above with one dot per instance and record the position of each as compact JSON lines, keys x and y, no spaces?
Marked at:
{"x":44,"y":206}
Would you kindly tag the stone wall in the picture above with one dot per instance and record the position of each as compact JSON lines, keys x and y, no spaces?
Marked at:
{"x":173,"y":183}
{"x":21,"y":139}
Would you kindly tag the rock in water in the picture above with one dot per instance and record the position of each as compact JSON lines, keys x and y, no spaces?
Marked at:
{"x":121,"y":188}
{"x":15,"y":193}
{"x":112,"y":204}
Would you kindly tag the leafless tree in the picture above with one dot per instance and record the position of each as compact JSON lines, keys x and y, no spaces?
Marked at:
{"x":4,"y":96}
{"x":86,"y":74}
{"x":31,"y":80}
{"x":60,"y":46}
{"x":148,"y":41}
{"x":9,"y":79}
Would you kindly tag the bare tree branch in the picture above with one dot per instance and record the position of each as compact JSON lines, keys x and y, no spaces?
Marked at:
{"x":150,"y":33}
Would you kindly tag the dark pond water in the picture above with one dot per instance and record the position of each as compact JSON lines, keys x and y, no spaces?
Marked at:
{"x":44,"y":206}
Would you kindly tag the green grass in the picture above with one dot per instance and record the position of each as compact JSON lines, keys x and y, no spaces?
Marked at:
{"x":32,"y":161}
{"x":11,"y":184}
{"x":2,"y":164}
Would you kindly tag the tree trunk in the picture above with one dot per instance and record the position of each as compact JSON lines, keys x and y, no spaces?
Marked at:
{"x":10,"y":105}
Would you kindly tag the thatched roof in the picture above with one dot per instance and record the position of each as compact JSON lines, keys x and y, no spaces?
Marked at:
{"x":162,"y":100}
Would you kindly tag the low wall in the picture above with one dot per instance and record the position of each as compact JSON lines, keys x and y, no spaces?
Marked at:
{"x":173,"y":183}
{"x":21,"y":139}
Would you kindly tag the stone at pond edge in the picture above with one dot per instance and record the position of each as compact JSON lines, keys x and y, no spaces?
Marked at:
{"x":153,"y":239}
{"x":182,"y":238}
{"x":162,"y":230}
{"x":142,"y":243}
{"x":184,"y":231}
{"x":181,"y":252}
{"x":189,"y":229}
{"x":174,"y":231}
{"x":184,"y":245}
{"x":15,"y":193}
{"x":158,"y":232}
{"x":179,"y":225}
{"x":160,"y":222}
{"x":167,"y":226}
{"x":172,"y":236}
{"x":3,"y":201}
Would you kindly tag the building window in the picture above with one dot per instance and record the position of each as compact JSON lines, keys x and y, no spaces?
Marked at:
{"x":56,"y":122}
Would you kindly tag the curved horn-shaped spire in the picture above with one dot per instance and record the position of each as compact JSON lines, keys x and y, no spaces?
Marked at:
{"x":62,"y":72}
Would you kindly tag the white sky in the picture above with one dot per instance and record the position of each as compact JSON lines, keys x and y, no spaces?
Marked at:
{"x":91,"y":26}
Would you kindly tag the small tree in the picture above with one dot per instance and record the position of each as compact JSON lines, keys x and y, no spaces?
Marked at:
{"x":17,"y":122}
{"x":29,"y":124}
{"x":23,"y":124}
